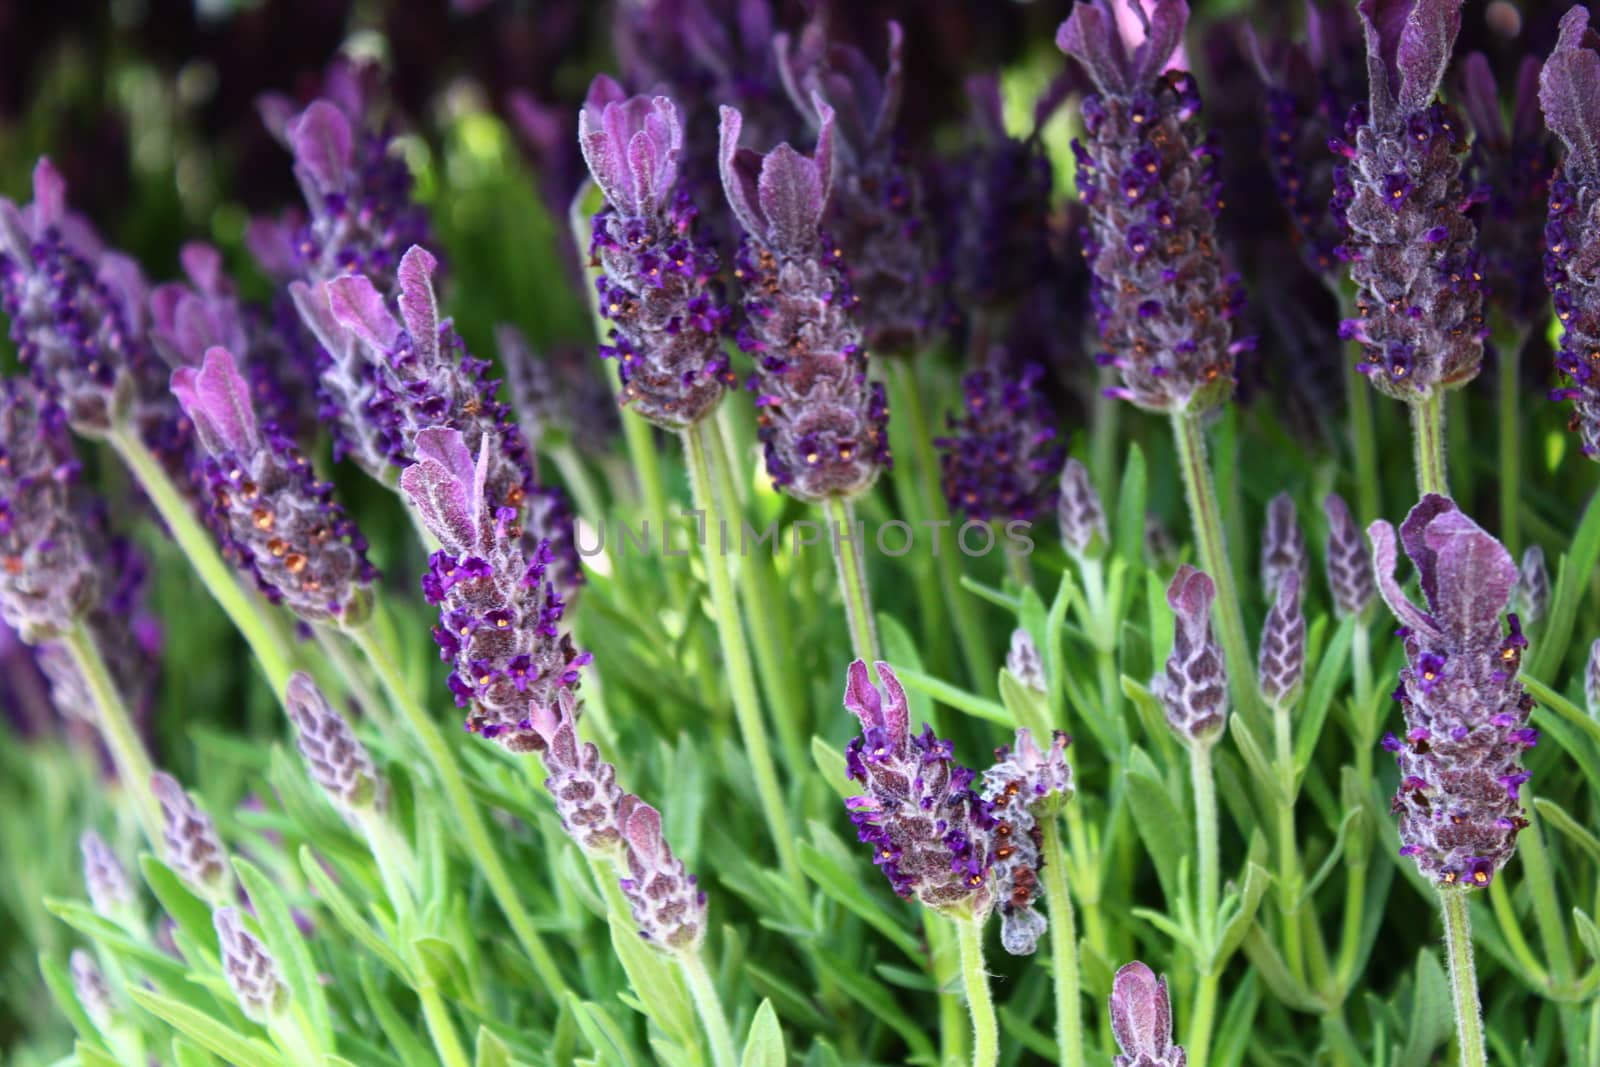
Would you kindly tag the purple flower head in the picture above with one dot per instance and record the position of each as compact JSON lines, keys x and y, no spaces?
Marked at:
{"x":1532,"y":596}
{"x":1399,"y":196}
{"x":1024,"y":786}
{"x":335,"y":757}
{"x":252,"y":973}
{"x":658,"y":283}
{"x":1080,"y":514}
{"x":583,"y":786}
{"x":1163,"y":299}
{"x":277,"y":520}
{"x":930,"y":833}
{"x":1282,"y":665}
{"x":1466,"y":716}
{"x":1591,"y":681}
{"x":1569,"y":92}
{"x":90,"y":987}
{"x":110,"y":890}
{"x":192,"y":848}
{"x":1348,"y":564}
{"x":1025,"y":663}
{"x":499,"y":612}
{"x":1141,"y":1019}
{"x":1001,"y":457}
{"x":1194,"y":688}
{"x":822,"y":424}
{"x":555,"y":397}
{"x":667,"y":903}
{"x":1283,"y":546}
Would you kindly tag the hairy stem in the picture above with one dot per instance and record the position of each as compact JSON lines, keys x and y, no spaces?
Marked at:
{"x":1288,"y":849}
{"x":853,"y":581}
{"x":1463,"y":976}
{"x":446,"y":1042}
{"x":116,"y":728}
{"x":708,"y":1005}
{"x":985,"y":1032}
{"x":1206,"y":840}
{"x":1427,"y":433}
{"x":1364,"y":439}
{"x":1202,"y":1020}
{"x":1063,"y":947}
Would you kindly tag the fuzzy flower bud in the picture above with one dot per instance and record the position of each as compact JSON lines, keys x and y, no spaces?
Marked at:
{"x":1533,"y":586}
{"x":192,"y":848}
{"x":89,"y":985}
{"x":1591,"y":681}
{"x":110,"y":890}
{"x":499,"y":613}
{"x":929,"y":832}
{"x":336,"y":758}
{"x":583,"y":786}
{"x":1349,"y":567}
{"x":1569,"y":92}
{"x":1080,"y":515}
{"x":1001,"y":456}
{"x":276,"y":518}
{"x":1466,"y":717}
{"x":251,"y":971}
{"x":1141,"y":1020}
{"x":1399,"y":196}
{"x":1283,"y":546}
{"x":1194,"y":688}
{"x":823,"y":425}
{"x":666,"y":901}
{"x":1024,"y":661}
{"x":1163,"y":299}
{"x":1024,"y":786}
{"x":1282,"y":666}
{"x":657,"y":285}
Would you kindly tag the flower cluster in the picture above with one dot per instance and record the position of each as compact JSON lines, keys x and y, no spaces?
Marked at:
{"x":1409,"y":241}
{"x":1194,"y":686}
{"x":1163,"y":298}
{"x":1569,"y":91}
{"x":336,"y":758}
{"x":1466,"y":717}
{"x":275,"y":517}
{"x":252,"y":973}
{"x":1080,"y":514}
{"x":192,"y":849}
{"x":1281,"y":666}
{"x":555,"y":398}
{"x":499,"y":613}
{"x":657,"y":285}
{"x":999,"y":458}
{"x":823,"y":425}
{"x":930,"y":832}
{"x":1532,"y":597}
{"x":1347,"y":563}
{"x":1283,"y":546}
{"x":1141,"y":1020}
{"x":110,"y":889}
{"x":1024,"y":786}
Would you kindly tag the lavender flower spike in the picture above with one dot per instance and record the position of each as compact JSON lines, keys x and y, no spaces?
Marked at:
{"x":657,"y":282}
{"x":823,"y":425}
{"x":276,"y":518}
{"x":1283,"y":546}
{"x":252,"y":973}
{"x":583,"y":786}
{"x":1194,"y":688}
{"x":1591,"y":681}
{"x":1533,"y":586}
{"x":1024,"y":786}
{"x":666,"y":901}
{"x":1401,"y":202}
{"x":1141,"y":1020}
{"x":1282,"y":666}
{"x":110,"y":890}
{"x":1569,"y":92}
{"x":90,"y":987}
{"x":1024,"y":662}
{"x":1466,"y":718}
{"x":1000,"y":459}
{"x":929,"y":831}
{"x":1080,"y":514}
{"x":1349,"y":567}
{"x":336,"y":758}
{"x":1163,"y":299}
{"x":193,"y":850}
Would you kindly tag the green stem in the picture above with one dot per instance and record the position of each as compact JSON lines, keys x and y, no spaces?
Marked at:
{"x":1207,"y":519}
{"x":1206,"y":840}
{"x":1202,"y":1020}
{"x":477,"y":841}
{"x":1104,"y":457}
{"x":446,"y":1042}
{"x":575,"y":476}
{"x":944,"y":962}
{"x":116,"y":728}
{"x":1063,"y":947}
{"x":1547,"y":913}
{"x":1288,"y":850}
{"x":985,"y":1032}
{"x":708,"y":1005}
{"x":215,"y":574}
{"x":741,"y":677}
{"x":853,"y":581}
{"x":1355,"y":898}
{"x":1511,"y":430}
{"x":1463,"y":976}
{"x":1427,"y":432}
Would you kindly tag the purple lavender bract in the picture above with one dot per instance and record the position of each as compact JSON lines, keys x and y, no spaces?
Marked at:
{"x":1000,"y":458}
{"x":1194,"y":687}
{"x":823,"y":425}
{"x":930,"y":833}
{"x":1164,"y":300}
{"x":1141,"y":1019}
{"x":1459,"y":801}
{"x":1349,"y":567}
{"x":1024,"y":786}
{"x":1400,"y":199}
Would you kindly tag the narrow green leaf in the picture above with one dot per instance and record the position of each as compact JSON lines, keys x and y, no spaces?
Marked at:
{"x":1572,"y":582}
{"x":1163,"y":828}
{"x":899,"y":648}
{"x":192,"y":915}
{"x":657,"y":982}
{"x":397,"y":1031}
{"x":491,"y":1051}
{"x":91,"y":1056}
{"x":1131,"y":506}
{"x":187,"y":1054}
{"x":954,"y":696}
{"x":1319,"y":698}
{"x":1557,"y":816}
{"x":1256,"y":880}
{"x":764,"y":1046}
{"x":878,"y":1001}
{"x":1559,"y":704}
{"x":57,"y":981}
{"x":1026,"y":707}
{"x":1256,"y":758}
{"x":1432,"y":1018}
{"x":830,"y":761}
{"x":602,"y":1033}
{"x":1587,"y":932}
{"x":1275,"y":973}
{"x":1236,"y":1034}
{"x":107,"y":934}
{"x":202,"y":1028}
{"x":287,"y":946}
{"x":845,"y":886}
{"x":345,"y":913}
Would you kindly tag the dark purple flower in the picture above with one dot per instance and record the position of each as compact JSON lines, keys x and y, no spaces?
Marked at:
{"x":252,"y":973}
{"x":1466,"y":716}
{"x":1569,"y":91}
{"x":1163,"y":298}
{"x":823,"y":425}
{"x":1001,"y":457}
{"x":1024,"y":786}
{"x":1409,"y":241}
{"x":657,"y":285}
{"x":930,"y":833}
{"x":555,"y":398}
{"x":1349,"y":566}
{"x":1283,"y":546}
{"x":1141,"y":1019}
{"x":335,"y":757}
{"x":499,"y":612}
{"x":1194,"y":687}
{"x":1281,"y":668}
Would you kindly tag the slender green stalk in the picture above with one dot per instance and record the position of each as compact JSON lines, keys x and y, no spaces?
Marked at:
{"x":741,"y":676}
{"x":1105,"y":458}
{"x":1206,"y":841}
{"x":853,"y":581}
{"x":945,"y":963}
{"x":1463,"y":976}
{"x":1288,"y":849}
{"x":708,"y":1005}
{"x":1427,"y":433}
{"x":476,"y":840}
{"x":116,"y":728}
{"x":1063,"y":947}
{"x":575,"y":475}
{"x":985,"y":1032}
{"x":446,"y":1042}
{"x":1202,"y":1020}
{"x":1207,"y":519}
{"x":215,"y":574}
{"x":1355,"y":901}
{"x":1547,"y":912}
{"x":1511,"y":429}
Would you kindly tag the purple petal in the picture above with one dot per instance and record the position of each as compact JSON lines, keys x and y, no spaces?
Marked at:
{"x":358,"y":306}
{"x":320,"y":141}
{"x":1569,"y":92}
{"x":418,"y":305}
